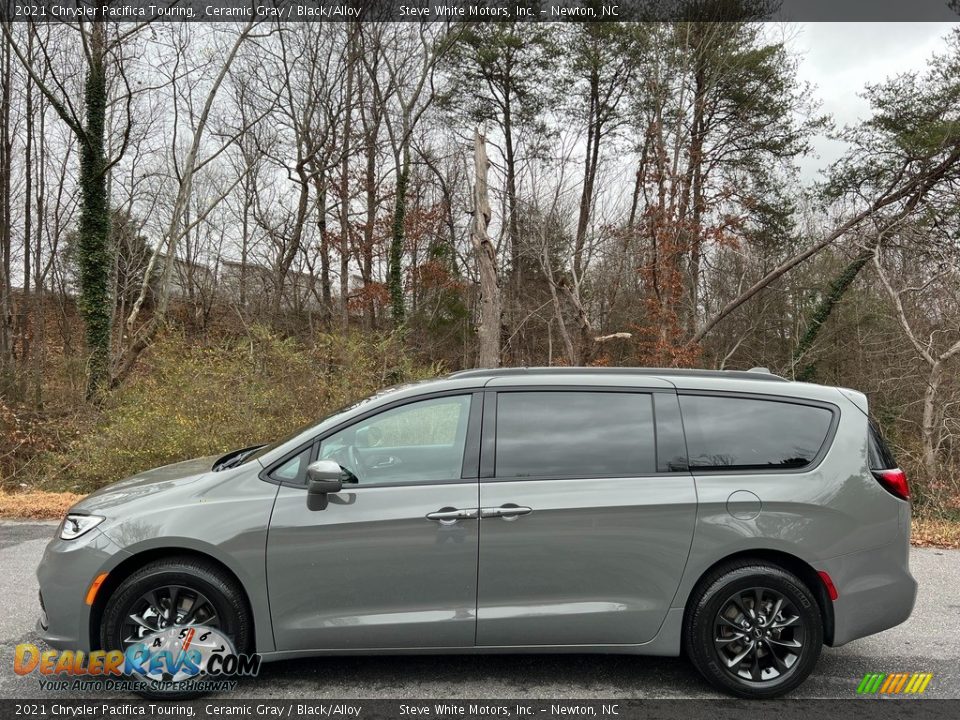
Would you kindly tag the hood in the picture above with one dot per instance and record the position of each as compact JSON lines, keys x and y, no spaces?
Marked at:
{"x":145,"y":484}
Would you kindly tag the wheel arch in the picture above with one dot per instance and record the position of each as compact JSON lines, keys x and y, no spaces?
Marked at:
{"x":134,"y":562}
{"x":791,"y":563}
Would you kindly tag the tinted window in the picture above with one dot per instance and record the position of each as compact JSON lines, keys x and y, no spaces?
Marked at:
{"x":881,"y":458}
{"x":418,"y":442}
{"x":574,"y":434}
{"x":728,"y":433}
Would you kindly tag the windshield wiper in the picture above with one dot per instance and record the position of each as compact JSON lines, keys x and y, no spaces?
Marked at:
{"x":233,"y":459}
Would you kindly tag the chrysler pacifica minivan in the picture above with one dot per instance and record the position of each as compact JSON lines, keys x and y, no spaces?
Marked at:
{"x":736,"y":517}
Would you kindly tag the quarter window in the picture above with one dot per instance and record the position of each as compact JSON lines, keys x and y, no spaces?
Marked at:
{"x":574,"y":434}
{"x":293,"y":470}
{"x":419,"y":442}
{"x":881,"y":457}
{"x":728,"y":433}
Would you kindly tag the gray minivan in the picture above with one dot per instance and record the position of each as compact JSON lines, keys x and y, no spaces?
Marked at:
{"x":732,"y":515}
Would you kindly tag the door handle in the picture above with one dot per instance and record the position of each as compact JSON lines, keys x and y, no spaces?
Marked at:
{"x":507,"y":512}
{"x":385,"y":463}
{"x":448,"y":516}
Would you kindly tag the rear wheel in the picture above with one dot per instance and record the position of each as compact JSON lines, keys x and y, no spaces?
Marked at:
{"x":170,"y":594}
{"x":754,"y":630}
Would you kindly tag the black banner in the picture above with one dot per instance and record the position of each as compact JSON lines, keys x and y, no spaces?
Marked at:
{"x":478,"y":10}
{"x":613,"y":709}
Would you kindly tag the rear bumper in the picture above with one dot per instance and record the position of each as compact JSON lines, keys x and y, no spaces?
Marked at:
{"x":875,"y":590}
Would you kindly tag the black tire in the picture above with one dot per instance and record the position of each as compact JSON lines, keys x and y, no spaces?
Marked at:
{"x":190,"y":573}
{"x":715,"y":634}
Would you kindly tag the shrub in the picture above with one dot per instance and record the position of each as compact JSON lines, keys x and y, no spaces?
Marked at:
{"x":190,"y":401}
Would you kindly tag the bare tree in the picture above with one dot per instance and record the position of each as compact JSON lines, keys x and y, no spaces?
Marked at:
{"x":344,"y":188}
{"x":6,"y":238}
{"x":409,"y":60}
{"x":104,"y":54}
{"x":488,"y":329}
{"x":932,"y":350}
{"x":139,"y":338}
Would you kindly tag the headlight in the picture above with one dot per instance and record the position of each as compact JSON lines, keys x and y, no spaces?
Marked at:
{"x":76,"y":525}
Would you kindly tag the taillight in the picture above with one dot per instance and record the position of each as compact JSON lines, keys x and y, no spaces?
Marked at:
{"x":894,"y":482}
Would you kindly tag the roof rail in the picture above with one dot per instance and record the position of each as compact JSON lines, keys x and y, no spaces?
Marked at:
{"x":753,"y":374}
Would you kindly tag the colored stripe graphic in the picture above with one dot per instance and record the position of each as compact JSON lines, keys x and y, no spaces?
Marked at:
{"x":871,"y":683}
{"x":899,"y":683}
{"x":894,"y":683}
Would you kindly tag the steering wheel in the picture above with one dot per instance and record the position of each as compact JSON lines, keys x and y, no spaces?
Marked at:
{"x":356,"y":467}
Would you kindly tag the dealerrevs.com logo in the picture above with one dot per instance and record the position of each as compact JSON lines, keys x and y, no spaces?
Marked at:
{"x":894,"y":683}
{"x":177,"y":659}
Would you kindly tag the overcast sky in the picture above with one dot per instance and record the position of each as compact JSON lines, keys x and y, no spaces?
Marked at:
{"x":840,"y":58}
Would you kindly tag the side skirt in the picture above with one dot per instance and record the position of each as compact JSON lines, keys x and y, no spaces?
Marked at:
{"x":665,"y":644}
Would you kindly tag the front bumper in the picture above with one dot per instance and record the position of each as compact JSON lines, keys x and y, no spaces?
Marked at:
{"x":65,"y":573}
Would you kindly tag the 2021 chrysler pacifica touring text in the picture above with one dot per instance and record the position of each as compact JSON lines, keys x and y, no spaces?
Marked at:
{"x":735,"y":516}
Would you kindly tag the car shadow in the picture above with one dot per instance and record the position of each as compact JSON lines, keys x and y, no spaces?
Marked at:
{"x":480,"y":676}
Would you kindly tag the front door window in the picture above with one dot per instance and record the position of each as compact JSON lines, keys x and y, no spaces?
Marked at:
{"x":419,"y":442}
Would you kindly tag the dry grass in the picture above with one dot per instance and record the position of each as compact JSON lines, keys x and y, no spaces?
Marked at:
{"x":936,"y":532}
{"x":190,"y":400}
{"x":36,"y":504}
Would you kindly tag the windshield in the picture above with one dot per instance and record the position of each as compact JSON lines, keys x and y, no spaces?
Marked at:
{"x":260,"y":452}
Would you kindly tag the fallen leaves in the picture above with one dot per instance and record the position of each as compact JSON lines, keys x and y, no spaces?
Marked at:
{"x":935,"y":532}
{"x":36,"y":504}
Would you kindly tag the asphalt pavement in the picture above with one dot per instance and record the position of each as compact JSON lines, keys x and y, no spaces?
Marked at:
{"x":928,"y":642}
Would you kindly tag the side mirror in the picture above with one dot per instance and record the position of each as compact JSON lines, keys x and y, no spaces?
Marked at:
{"x":323,"y":478}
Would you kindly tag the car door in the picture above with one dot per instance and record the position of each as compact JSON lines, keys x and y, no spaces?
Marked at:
{"x":391,"y":562}
{"x":587,"y":516}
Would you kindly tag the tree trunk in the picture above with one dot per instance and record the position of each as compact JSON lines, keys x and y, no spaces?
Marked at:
{"x":6,"y":337}
{"x":488,"y":329}
{"x":366,"y":266}
{"x":248,"y":184}
{"x":512,"y":222}
{"x":324,"y":250}
{"x":93,"y":244}
{"x":573,"y":357}
{"x":293,"y":242}
{"x":928,"y":427}
{"x":39,"y":269}
{"x":345,"y":186}
{"x":838,"y":288}
{"x":591,"y":161}
{"x":26,"y":300}
{"x":696,"y":180}
{"x":395,"y":281}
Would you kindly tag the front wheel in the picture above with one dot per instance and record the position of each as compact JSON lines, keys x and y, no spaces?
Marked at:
{"x":168,"y":595}
{"x":754,"y":630}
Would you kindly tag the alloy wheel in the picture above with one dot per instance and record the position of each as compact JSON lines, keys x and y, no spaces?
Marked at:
{"x":166,"y":606}
{"x":758,"y":635}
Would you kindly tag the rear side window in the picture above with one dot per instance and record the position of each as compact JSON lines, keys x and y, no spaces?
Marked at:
{"x":730,"y":433}
{"x":575,"y":434}
{"x":881,"y":458}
